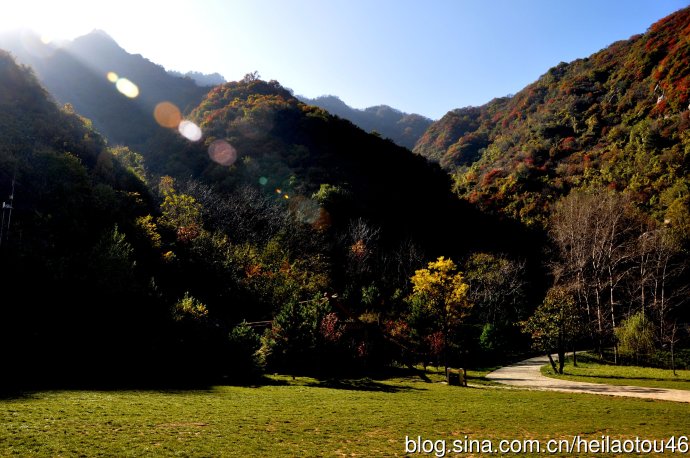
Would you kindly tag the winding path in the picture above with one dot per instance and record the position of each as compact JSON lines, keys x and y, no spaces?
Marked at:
{"x":527,"y":374}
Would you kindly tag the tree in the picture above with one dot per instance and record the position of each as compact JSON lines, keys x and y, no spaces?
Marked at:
{"x":594,"y":235}
{"x":636,"y":335}
{"x":554,"y":324}
{"x":496,"y":287}
{"x":179,"y":212}
{"x":440,"y":289}
{"x":244,"y":343}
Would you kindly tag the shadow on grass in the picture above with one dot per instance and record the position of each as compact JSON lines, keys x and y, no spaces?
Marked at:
{"x":364,"y":384}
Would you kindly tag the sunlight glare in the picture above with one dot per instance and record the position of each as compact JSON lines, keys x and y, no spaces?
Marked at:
{"x":190,"y":131}
{"x":127,"y":88}
{"x":112,"y":77}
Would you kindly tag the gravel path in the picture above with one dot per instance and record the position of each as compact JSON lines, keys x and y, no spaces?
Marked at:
{"x":526,"y":374}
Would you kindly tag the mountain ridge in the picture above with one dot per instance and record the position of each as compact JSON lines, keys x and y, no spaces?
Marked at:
{"x":402,"y":128}
{"x":597,"y":121}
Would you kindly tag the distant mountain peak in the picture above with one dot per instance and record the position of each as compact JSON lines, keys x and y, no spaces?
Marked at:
{"x":97,"y":38}
{"x":402,"y":128}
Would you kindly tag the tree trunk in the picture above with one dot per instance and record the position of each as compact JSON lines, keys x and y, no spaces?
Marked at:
{"x":673,"y":345}
{"x":561,"y":358}
{"x":553,"y":363}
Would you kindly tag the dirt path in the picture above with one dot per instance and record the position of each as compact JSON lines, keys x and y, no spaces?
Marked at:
{"x":526,"y":374}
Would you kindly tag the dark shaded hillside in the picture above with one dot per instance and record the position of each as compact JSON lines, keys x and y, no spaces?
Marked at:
{"x":403,"y":128}
{"x":319,"y":161}
{"x":618,"y":118}
{"x":71,"y":282}
{"x":76,"y":73}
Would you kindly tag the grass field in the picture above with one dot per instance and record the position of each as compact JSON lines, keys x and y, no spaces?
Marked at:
{"x":307,"y":417}
{"x":589,"y":370}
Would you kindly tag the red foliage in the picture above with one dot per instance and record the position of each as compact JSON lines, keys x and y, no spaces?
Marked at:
{"x":491,"y":176}
{"x":435,"y":343}
{"x":331,"y":329}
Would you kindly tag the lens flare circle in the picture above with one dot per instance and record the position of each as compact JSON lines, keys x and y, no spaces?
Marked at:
{"x":127,"y":88}
{"x":167,"y":115}
{"x":222,"y":152}
{"x":190,"y":131}
{"x":112,"y":77}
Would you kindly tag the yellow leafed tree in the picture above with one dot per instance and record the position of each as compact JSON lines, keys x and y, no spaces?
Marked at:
{"x":442,"y":290}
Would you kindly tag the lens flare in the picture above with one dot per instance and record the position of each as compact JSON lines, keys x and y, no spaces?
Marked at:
{"x":167,"y":115}
{"x":127,"y":88}
{"x":222,"y":152}
{"x":190,"y":131}
{"x":263,"y":181}
{"x":112,"y":77}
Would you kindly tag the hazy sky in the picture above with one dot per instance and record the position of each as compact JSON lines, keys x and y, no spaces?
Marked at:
{"x":419,"y":56}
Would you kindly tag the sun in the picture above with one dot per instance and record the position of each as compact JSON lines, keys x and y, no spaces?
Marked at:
{"x":51,"y":20}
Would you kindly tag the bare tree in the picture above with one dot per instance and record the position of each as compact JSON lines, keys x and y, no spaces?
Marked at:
{"x":496,"y":286}
{"x":594,"y":237}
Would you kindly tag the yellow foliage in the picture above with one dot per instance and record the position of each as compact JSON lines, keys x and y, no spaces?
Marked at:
{"x":442,"y":287}
{"x":146,"y":225}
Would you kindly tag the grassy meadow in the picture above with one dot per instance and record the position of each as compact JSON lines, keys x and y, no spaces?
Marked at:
{"x":588,"y":369}
{"x":309,"y":417}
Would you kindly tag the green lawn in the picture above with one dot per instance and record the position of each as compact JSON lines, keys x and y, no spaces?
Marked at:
{"x":589,"y":370}
{"x":307,"y":417}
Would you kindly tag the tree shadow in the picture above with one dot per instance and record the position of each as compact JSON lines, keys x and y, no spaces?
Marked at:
{"x":364,"y":384}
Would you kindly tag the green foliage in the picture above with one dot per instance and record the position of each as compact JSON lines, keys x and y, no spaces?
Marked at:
{"x":490,"y":338}
{"x":554,"y":324}
{"x":180,"y":213}
{"x":132,"y":161}
{"x":190,"y":309}
{"x":244,"y":344}
{"x":635,"y":335}
{"x":293,"y":341}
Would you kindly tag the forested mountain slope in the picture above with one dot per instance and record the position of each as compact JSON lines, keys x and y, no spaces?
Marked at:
{"x":77,"y":72}
{"x":71,"y":282}
{"x":617,"y":119}
{"x":323,"y":162}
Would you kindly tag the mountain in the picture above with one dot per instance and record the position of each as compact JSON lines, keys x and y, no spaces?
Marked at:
{"x":616,"y":119}
{"x":201,"y":79}
{"x":72,"y":279}
{"x":77,"y":73}
{"x":277,"y":142}
{"x":404,"y":129}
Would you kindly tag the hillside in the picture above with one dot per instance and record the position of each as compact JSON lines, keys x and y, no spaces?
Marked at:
{"x":72,"y":280}
{"x":76,"y":72}
{"x":279,"y":143}
{"x":616,"y":119}
{"x":403,"y":128}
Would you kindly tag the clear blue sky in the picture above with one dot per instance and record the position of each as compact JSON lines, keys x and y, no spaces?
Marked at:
{"x":425,"y":57}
